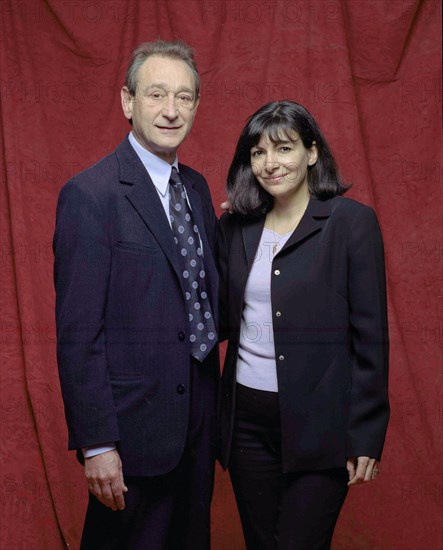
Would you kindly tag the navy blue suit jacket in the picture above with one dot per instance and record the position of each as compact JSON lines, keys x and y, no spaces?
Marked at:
{"x":123,"y":352}
{"x":330,"y":325}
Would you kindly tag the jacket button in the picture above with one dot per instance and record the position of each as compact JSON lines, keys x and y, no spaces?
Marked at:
{"x":180,"y":389}
{"x":281,"y":357}
{"x":278,"y":313}
{"x":277,"y":272}
{"x":181,"y":336}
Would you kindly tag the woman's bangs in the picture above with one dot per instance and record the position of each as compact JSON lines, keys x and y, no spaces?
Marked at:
{"x":277,"y":129}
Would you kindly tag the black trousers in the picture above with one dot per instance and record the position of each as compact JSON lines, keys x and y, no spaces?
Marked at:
{"x":295,"y":511}
{"x":172,"y":511}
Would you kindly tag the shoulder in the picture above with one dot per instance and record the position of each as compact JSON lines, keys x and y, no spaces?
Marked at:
{"x":350,"y":211}
{"x":190,"y":172}
{"x":345,"y":205}
{"x":354,"y":222}
{"x":94,"y":180}
{"x":234,"y":223}
{"x":197,"y":178}
{"x":231,"y":221}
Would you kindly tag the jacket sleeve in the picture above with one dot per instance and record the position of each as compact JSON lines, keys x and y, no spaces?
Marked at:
{"x":81,"y":274}
{"x":369,"y":405}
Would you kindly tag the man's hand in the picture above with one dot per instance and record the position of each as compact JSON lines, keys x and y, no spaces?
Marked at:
{"x":105,"y":479}
{"x":226,"y":206}
{"x":361,"y":469}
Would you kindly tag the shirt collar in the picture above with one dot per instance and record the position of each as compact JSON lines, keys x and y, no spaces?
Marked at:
{"x":158,"y":169}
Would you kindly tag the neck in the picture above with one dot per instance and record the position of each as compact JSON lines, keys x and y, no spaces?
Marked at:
{"x":289,"y":210}
{"x":285,"y":217}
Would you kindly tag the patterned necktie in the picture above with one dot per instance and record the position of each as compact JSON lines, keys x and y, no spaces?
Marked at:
{"x":201,"y":324}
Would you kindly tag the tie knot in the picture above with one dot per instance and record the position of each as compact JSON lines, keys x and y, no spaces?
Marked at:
{"x":175,"y":178}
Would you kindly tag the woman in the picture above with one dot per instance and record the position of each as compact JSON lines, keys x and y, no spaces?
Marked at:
{"x":304,"y":391}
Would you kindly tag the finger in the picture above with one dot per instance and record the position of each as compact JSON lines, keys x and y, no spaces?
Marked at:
{"x":353,"y":481}
{"x":107,"y":497}
{"x":226,"y":206}
{"x":369,"y":470}
{"x":375,"y":470}
{"x":350,"y":466}
{"x":122,"y":481}
{"x":117,"y":486}
{"x":117,"y":491}
{"x":360,"y":472}
{"x":96,"y":490}
{"x":362,"y":465}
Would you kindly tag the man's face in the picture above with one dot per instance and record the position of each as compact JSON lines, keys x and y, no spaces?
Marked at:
{"x":163,"y":107}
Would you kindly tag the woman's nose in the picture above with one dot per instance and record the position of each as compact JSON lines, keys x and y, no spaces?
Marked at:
{"x":271,"y":165}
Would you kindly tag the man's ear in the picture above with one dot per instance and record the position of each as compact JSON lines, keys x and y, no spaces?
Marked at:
{"x":127,"y":102}
{"x":197,"y":103}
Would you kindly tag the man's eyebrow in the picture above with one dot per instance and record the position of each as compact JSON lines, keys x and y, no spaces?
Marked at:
{"x":164,"y":86}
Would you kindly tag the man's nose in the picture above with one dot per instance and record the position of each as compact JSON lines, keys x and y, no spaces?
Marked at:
{"x":170,"y":109}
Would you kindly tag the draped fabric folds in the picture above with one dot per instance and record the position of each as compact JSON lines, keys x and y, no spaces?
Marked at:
{"x":368,"y":70}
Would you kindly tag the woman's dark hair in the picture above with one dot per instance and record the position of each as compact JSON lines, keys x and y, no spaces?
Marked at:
{"x":275,"y":120}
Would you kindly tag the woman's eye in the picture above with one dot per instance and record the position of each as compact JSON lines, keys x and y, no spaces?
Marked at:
{"x":285,"y":149}
{"x":255,"y":153}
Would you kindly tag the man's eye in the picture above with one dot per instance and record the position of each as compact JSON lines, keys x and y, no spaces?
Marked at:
{"x":156,"y":95}
{"x":185,"y":99}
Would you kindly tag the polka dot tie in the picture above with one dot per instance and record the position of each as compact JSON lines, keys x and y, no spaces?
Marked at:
{"x":201,"y":324}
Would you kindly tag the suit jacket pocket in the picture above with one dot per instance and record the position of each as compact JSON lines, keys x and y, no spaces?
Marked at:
{"x":137,"y":248}
{"x":126,"y":377}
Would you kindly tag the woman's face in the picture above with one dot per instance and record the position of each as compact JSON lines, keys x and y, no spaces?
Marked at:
{"x":281,"y":168}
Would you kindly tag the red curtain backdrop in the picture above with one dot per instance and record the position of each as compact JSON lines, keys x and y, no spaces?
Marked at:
{"x":370,"y":73}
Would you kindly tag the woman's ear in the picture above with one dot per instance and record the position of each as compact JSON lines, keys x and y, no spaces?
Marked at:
{"x":312,"y":154}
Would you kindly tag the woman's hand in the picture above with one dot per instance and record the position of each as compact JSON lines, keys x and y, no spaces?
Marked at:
{"x":361,"y":469}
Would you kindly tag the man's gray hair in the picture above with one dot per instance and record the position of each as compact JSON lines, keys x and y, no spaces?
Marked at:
{"x":174,"y":49}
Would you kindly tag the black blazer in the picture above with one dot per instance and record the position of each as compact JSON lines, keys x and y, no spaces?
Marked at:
{"x":123,"y":355}
{"x":330,"y":333}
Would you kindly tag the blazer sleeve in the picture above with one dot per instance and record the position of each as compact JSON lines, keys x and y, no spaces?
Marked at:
{"x":369,"y":405}
{"x":81,"y":274}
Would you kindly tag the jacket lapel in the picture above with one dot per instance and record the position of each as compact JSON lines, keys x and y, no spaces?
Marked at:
{"x":143,"y":196}
{"x":312,"y":221}
{"x":252,"y":232}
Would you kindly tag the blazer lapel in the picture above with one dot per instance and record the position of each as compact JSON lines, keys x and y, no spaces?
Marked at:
{"x":251,"y":238}
{"x":312,"y":221}
{"x":144,"y":198}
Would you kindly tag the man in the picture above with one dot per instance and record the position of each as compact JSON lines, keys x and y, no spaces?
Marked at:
{"x":137,"y":289}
